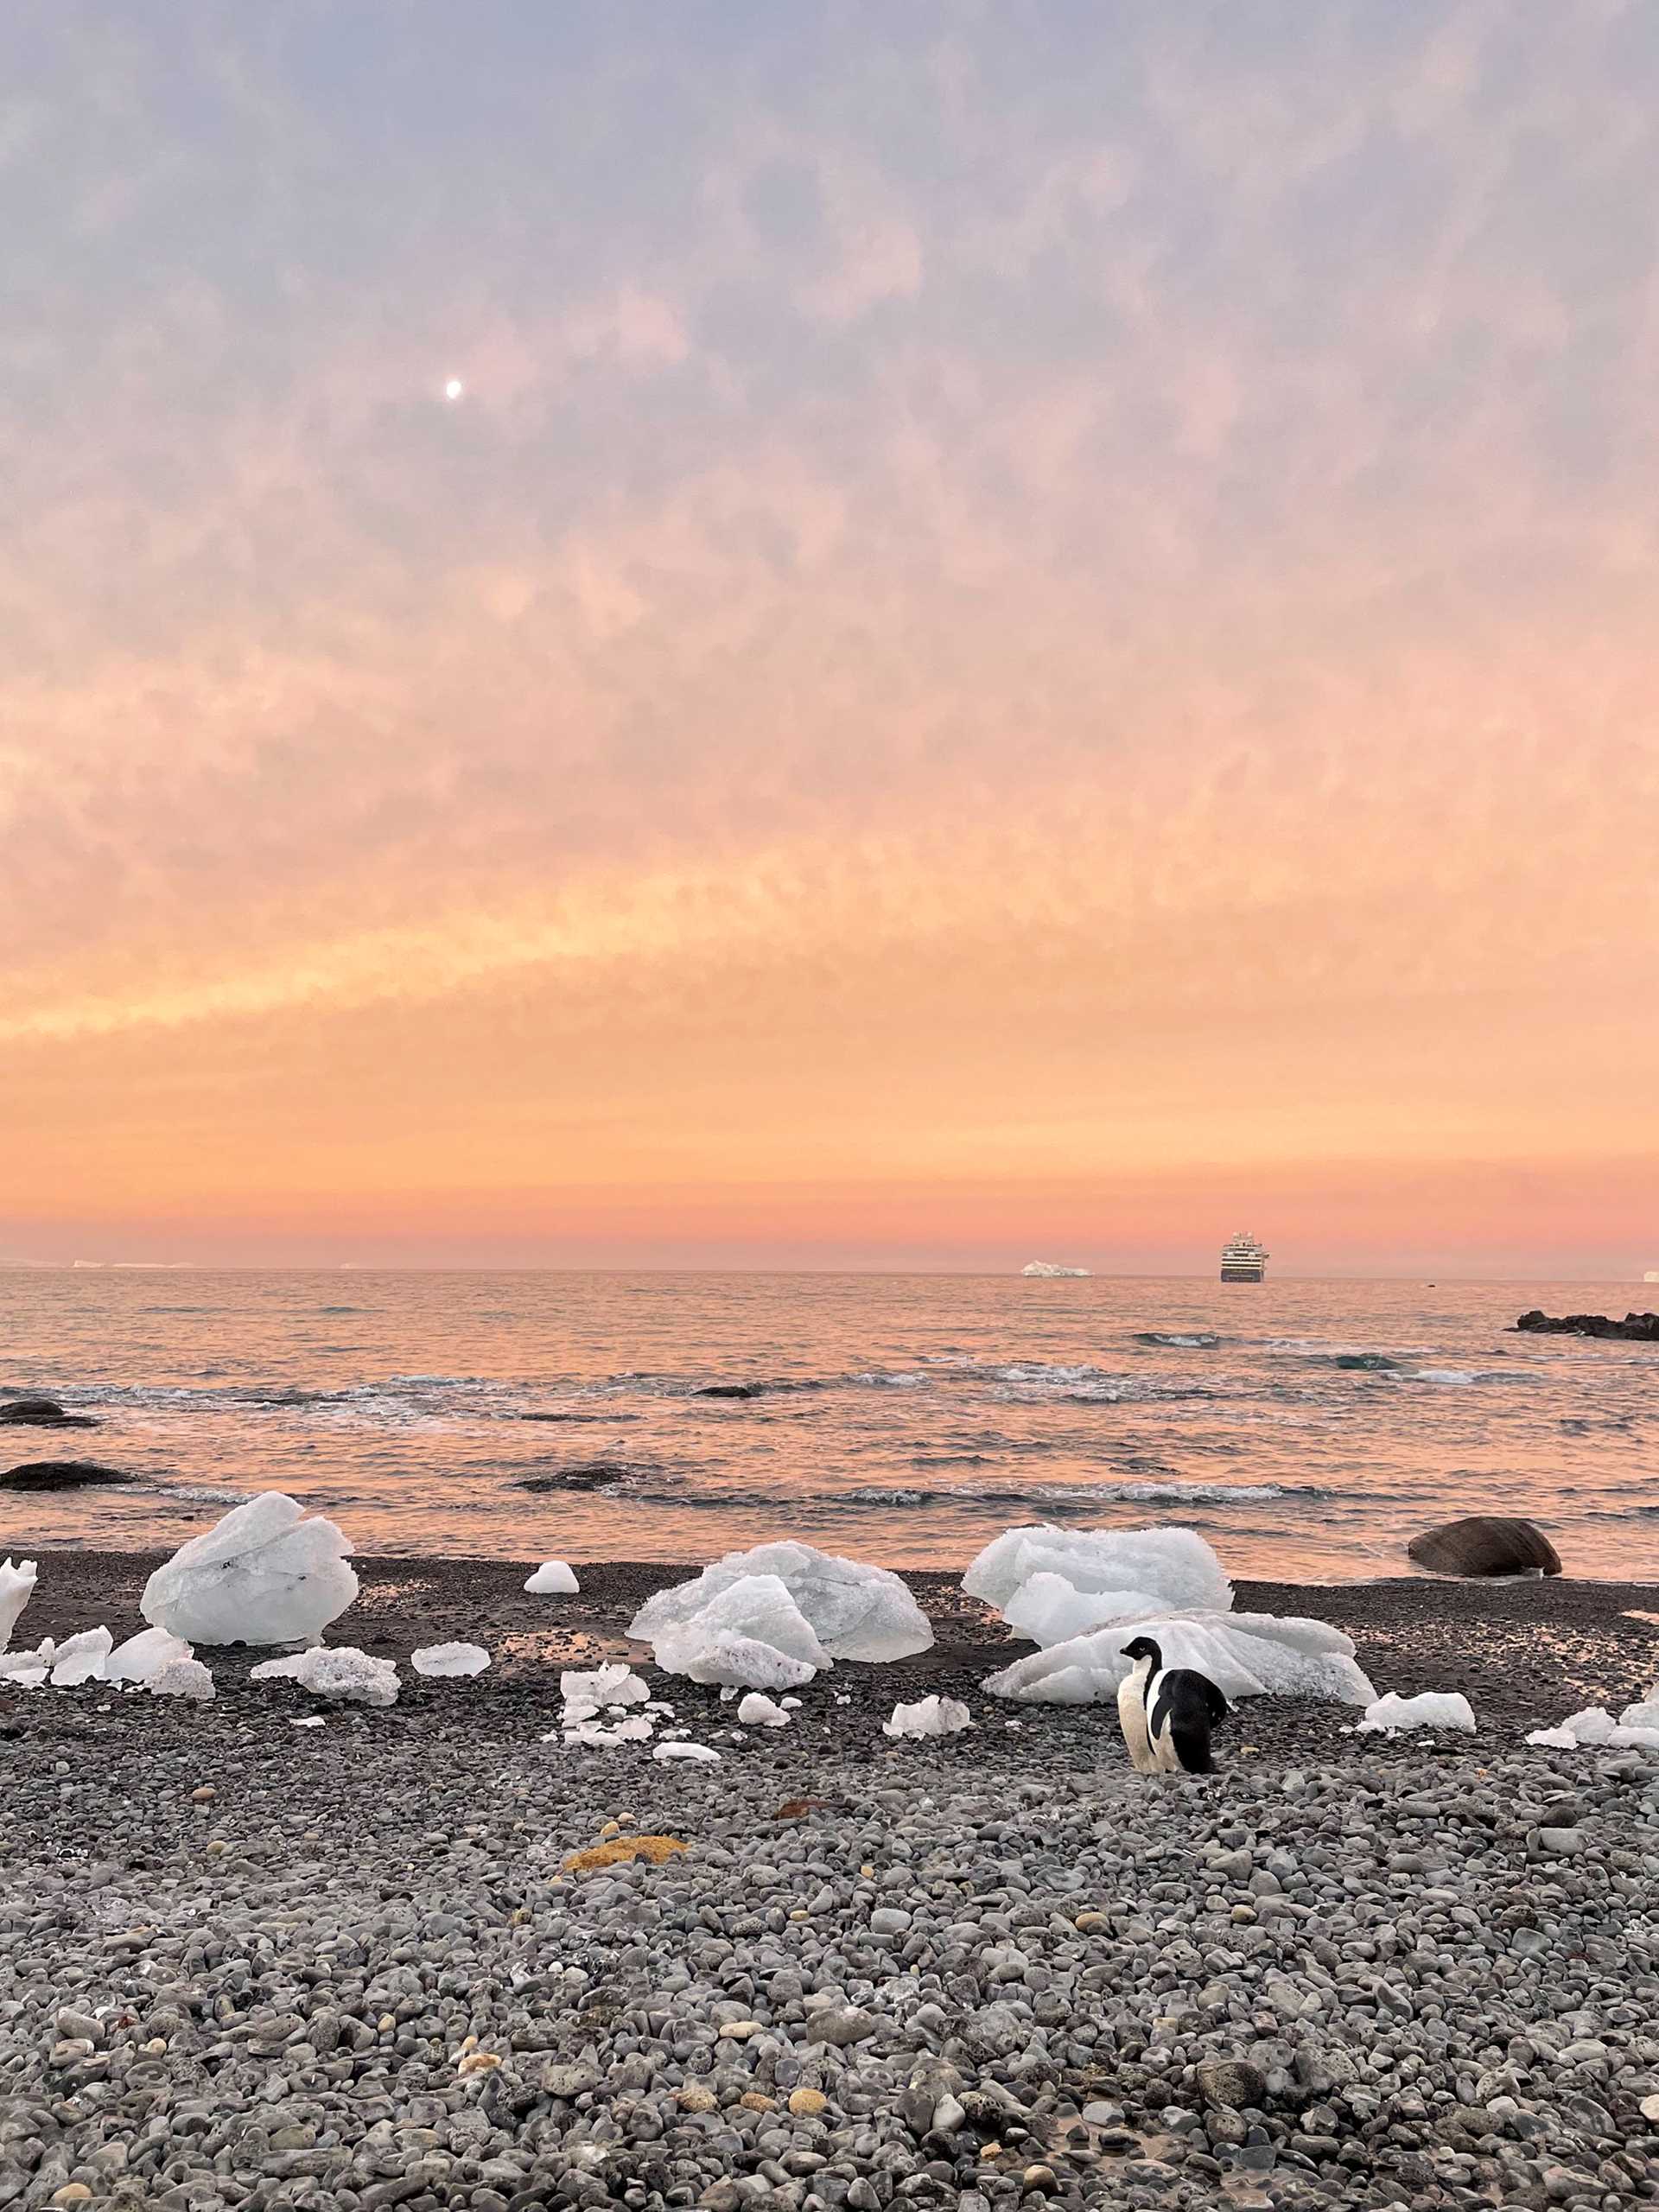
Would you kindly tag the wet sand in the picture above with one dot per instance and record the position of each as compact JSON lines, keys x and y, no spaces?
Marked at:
{"x":1526,"y":1654}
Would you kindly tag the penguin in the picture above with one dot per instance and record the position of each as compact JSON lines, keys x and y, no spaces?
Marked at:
{"x":1166,"y":1713}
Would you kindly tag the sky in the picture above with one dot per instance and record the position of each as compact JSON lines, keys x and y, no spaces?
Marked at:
{"x":1032,"y":633}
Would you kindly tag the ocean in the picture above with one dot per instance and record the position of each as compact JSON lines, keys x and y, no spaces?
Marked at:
{"x":1308,"y":1428}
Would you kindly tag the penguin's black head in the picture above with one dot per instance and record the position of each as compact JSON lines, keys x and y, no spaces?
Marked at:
{"x":1144,"y":1647}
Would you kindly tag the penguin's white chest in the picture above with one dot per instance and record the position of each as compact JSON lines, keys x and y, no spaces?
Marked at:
{"x":1132,"y":1717}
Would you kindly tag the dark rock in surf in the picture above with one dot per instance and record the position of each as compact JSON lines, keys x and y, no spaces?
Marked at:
{"x":1635,"y":1328}
{"x":731,"y":1390}
{"x":42,"y":1413}
{"x":60,"y":1474}
{"x":1486,"y":1544}
{"x":594,"y":1474}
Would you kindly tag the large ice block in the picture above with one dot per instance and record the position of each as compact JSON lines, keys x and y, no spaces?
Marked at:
{"x":750,"y":1635}
{"x":552,"y":1579}
{"x":855,"y":1611}
{"x":1174,"y":1566}
{"x":265,"y":1574}
{"x":1050,"y":1609}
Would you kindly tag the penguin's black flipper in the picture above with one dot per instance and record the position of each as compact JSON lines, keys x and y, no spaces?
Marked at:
{"x":1193,"y":1746}
{"x":1187,"y":1704}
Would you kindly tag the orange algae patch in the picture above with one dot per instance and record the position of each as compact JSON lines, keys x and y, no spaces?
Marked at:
{"x":655,"y":1848}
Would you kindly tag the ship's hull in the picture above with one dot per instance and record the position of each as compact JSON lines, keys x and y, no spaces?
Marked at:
{"x":1244,"y":1271}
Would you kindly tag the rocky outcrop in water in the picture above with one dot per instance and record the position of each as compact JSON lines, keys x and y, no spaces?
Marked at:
{"x":1486,"y":1544}
{"x":42,"y":1413}
{"x":60,"y":1474}
{"x":1635,"y":1328}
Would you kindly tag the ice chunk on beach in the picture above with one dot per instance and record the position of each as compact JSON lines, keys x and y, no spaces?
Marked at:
{"x":1645,"y":1715}
{"x":80,"y":1658}
{"x":143,"y":1656}
{"x":1050,"y":1609}
{"x":17,"y":1588}
{"x":855,"y":1611}
{"x":931,"y":1716}
{"x":1392,"y":1714}
{"x":1245,"y":1655}
{"x":26,"y":1670}
{"x":750,"y":1635}
{"x":1596,"y":1728}
{"x":614,"y":1684}
{"x":666,"y":1752}
{"x":182,"y":1678}
{"x":1175,"y":1567}
{"x":441,"y":1659}
{"x":265,"y":1574}
{"x":757,"y":1711}
{"x":552,"y":1579}
{"x":339,"y":1671}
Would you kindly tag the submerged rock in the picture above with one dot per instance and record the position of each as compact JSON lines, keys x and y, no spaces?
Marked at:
{"x":42,"y":1413}
{"x":1635,"y":1328}
{"x":1486,"y":1544}
{"x":591,"y":1474}
{"x":60,"y":1474}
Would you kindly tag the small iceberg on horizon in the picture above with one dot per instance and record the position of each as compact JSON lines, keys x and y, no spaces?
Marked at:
{"x":1051,"y":1267}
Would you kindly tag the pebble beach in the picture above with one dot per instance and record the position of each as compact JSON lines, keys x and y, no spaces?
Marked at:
{"x":248,"y":1963}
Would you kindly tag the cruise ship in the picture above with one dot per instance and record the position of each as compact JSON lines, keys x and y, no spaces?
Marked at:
{"x":1244,"y":1260}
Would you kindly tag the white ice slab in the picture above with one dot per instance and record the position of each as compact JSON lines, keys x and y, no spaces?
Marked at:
{"x":17,"y":1588}
{"x":80,"y":1658}
{"x":1393,"y":1715}
{"x":1245,"y":1655}
{"x":441,"y":1659}
{"x":339,"y":1671}
{"x":143,"y":1657}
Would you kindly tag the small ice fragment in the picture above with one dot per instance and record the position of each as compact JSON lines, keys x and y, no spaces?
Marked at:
{"x":661,"y":1704}
{"x":1388,"y":1715}
{"x":17,"y":1588}
{"x":687,"y":1751}
{"x":931,"y":1716}
{"x":728,"y":1692}
{"x":143,"y":1657}
{"x":841,"y":1699}
{"x":81,"y":1658}
{"x":182,"y":1678}
{"x":440,"y":1659}
{"x":615,"y":1684}
{"x":552,"y":1579}
{"x":758,"y":1711}
{"x":316,"y":1720}
{"x":264,"y":1573}
{"x":789,"y":1704}
{"x":336,"y":1671}
{"x":26,"y":1670}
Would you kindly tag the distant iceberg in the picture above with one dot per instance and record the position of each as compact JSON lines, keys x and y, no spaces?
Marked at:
{"x":1050,"y":1267}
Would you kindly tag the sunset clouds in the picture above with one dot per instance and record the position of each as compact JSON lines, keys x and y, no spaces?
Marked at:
{"x":1035,"y":627}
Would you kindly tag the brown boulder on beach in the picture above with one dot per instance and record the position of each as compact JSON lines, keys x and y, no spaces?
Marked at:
{"x":1486,"y":1544}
